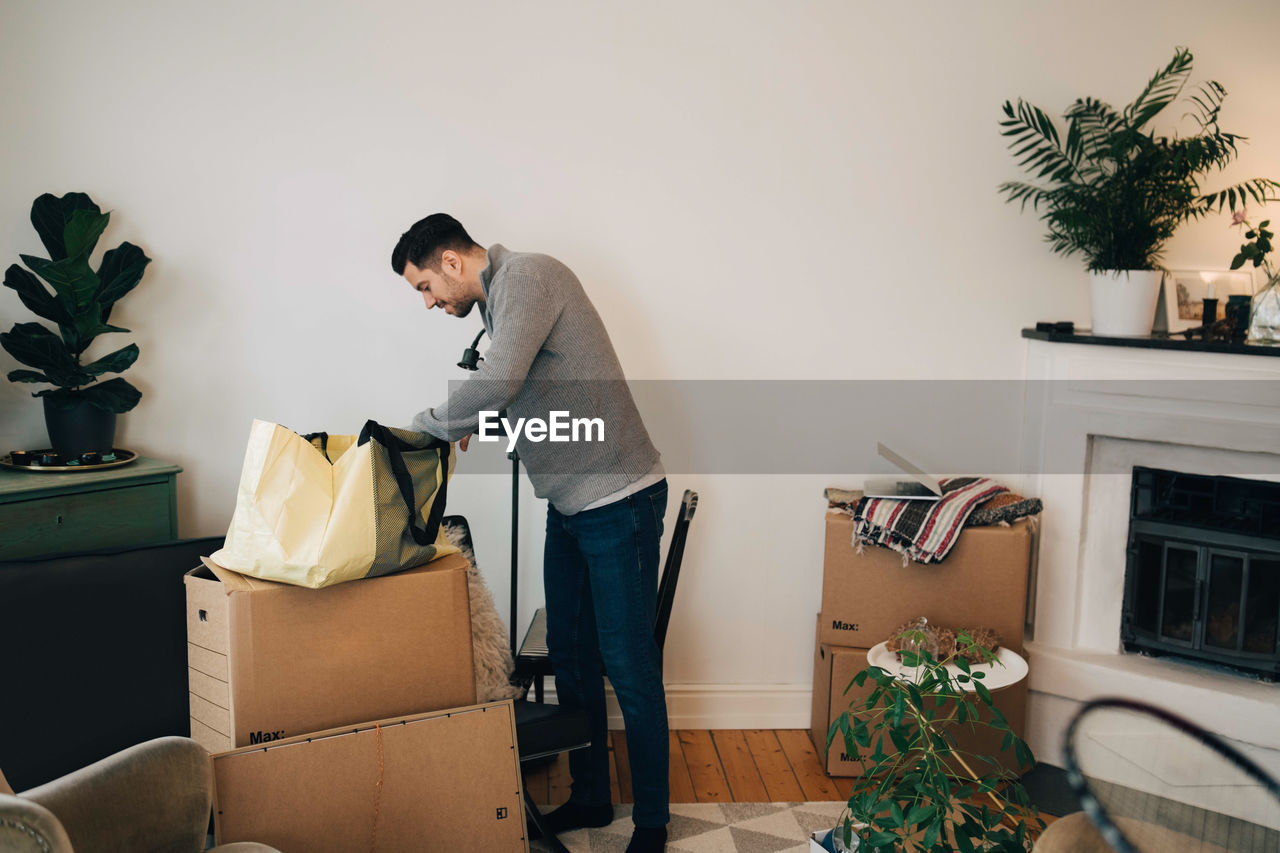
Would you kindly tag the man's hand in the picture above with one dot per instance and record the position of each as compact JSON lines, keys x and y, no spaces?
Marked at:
{"x":464,"y":441}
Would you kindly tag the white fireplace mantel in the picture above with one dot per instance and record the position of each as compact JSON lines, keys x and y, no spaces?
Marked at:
{"x":1187,"y":411}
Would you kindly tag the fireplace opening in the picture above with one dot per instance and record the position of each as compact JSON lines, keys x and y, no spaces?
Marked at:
{"x":1202,"y":576}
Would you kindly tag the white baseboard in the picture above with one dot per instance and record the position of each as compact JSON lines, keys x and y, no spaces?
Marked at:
{"x":725,"y":706}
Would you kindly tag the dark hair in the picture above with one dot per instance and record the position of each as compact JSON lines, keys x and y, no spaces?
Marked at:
{"x":422,"y":244}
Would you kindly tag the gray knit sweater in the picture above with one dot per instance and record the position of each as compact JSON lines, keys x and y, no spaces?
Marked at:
{"x":549,"y":352}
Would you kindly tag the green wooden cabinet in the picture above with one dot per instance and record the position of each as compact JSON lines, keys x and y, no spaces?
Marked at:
{"x":53,"y":513}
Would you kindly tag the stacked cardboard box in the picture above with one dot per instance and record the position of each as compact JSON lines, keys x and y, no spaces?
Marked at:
{"x":276,"y":665}
{"x":866,"y":596}
{"x":268,"y":661}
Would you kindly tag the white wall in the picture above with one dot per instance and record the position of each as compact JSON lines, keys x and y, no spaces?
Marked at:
{"x":735,"y":182}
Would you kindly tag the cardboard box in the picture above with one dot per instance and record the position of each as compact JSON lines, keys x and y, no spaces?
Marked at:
{"x":429,"y":783}
{"x":267,"y":661}
{"x":981,"y":583}
{"x":835,"y":666}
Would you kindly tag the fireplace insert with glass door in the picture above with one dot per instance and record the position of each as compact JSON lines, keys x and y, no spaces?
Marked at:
{"x":1202,"y":578}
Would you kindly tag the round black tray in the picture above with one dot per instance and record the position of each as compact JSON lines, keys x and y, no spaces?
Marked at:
{"x":123,"y":457}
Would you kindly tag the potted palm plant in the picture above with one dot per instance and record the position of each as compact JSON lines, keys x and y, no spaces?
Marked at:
{"x":1114,"y":191}
{"x":80,"y":412}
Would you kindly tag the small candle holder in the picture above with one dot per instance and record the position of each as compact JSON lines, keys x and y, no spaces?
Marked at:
{"x":1237,"y":312}
{"x":1210,"y":313}
{"x":21,"y":457}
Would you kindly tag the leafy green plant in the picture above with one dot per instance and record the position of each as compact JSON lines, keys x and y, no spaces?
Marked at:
{"x":1113,"y":190}
{"x":920,"y":791}
{"x":79,"y":305}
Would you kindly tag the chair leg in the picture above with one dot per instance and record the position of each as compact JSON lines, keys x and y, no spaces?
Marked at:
{"x":537,"y":689}
{"x":538,"y":819}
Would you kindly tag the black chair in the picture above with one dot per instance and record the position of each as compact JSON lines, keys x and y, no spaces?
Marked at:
{"x":533,"y":663}
{"x":542,"y":731}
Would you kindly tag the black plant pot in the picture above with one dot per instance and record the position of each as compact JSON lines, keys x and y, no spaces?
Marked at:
{"x":82,"y":428}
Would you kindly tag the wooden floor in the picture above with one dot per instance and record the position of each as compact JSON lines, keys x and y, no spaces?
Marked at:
{"x":720,"y":766}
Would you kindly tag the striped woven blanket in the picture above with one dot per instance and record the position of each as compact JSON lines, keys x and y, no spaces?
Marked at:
{"x":924,"y":531}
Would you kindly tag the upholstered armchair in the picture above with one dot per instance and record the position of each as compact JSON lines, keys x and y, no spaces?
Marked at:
{"x":151,"y":798}
{"x":1074,"y":833}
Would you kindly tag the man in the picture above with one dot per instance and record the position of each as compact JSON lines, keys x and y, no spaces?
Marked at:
{"x":549,"y":352}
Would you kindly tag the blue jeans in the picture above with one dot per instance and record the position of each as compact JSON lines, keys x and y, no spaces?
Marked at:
{"x":600,"y":571}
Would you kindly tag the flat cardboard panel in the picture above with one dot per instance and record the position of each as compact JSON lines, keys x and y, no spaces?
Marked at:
{"x":210,"y":663}
{"x":432,"y":783}
{"x":981,"y":583}
{"x":301,"y":660}
{"x":207,"y":687}
{"x":835,"y":667}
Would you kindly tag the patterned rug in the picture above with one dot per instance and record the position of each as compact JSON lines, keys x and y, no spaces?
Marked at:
{"x":715,"y":828}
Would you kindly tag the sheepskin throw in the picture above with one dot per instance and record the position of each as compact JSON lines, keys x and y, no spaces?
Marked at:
{"x":493,"y":662}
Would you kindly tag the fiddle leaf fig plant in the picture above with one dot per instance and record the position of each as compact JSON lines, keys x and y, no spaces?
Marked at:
{"x":920,"y":791}
{"x":1113,"y":190}
{"x":78,"y":301}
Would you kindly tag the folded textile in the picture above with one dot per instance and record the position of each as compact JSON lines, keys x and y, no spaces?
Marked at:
{"x":1004,"y":509}
{"x":924,"y":531}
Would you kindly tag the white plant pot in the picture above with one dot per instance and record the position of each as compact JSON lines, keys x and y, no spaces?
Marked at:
{"x":1123,"y":302}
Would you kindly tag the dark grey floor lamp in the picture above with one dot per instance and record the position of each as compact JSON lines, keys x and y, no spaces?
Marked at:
{"x":471,"y":359}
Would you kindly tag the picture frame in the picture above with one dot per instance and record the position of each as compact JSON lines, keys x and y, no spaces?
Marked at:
{"x":1186,"y":290}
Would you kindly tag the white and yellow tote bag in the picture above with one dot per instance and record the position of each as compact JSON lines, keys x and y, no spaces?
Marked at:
{"x":321,"y":509}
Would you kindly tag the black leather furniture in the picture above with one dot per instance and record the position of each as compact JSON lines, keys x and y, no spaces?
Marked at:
{"x":95,"y":648}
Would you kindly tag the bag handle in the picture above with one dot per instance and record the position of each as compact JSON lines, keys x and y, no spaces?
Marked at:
{"x":423,"y":534}
{"x":311,"y":437}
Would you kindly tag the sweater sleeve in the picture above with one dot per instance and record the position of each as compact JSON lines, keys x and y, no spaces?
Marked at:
{"x":523,"y":311}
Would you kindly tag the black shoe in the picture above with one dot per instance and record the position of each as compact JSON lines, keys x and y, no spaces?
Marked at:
{"x":573,"y":816}
{"x":648,"y":839}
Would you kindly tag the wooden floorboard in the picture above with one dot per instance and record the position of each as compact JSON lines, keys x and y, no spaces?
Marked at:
{"x":535,"y":783}
{"x":758,"y":765}
{"x":558,"y":780}
{"x":678,"y":776}
{"x":813,"y":779}
{"x":775,"y":771}
{"x":739,"y":767}
{"x":705,"y":770}
{"x":615,"y":790}
{"x":619,"y":740}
